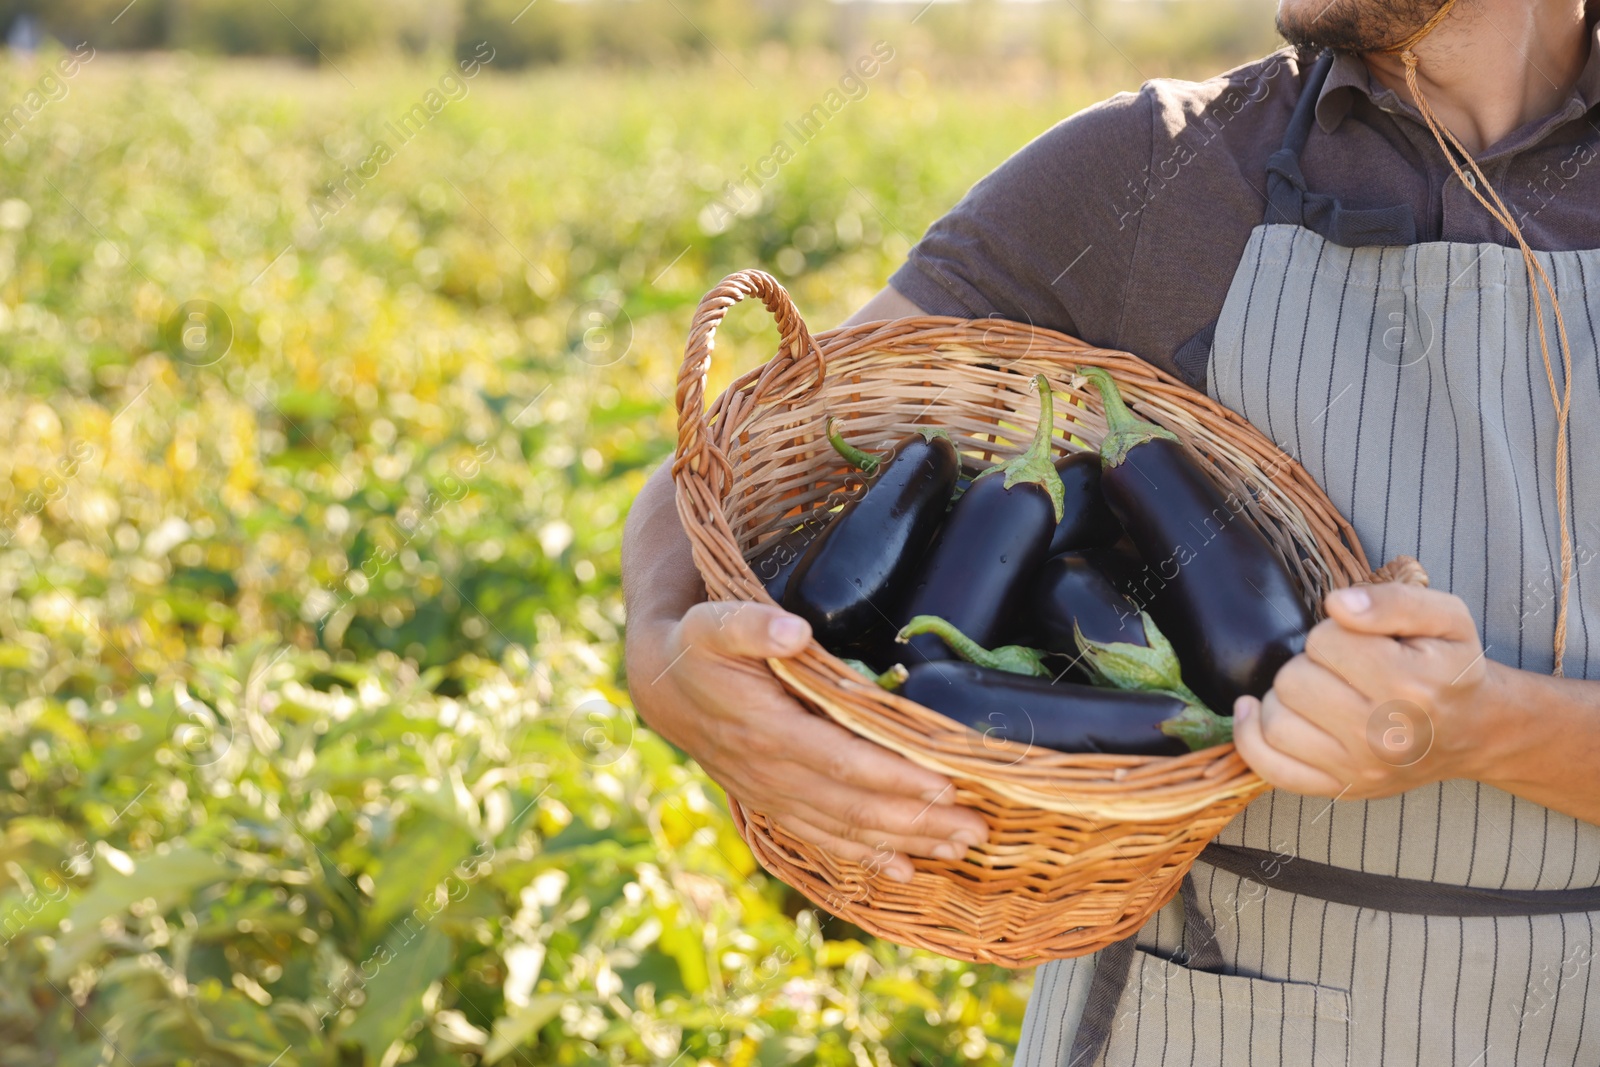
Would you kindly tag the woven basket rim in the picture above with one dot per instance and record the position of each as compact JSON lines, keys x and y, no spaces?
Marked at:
{"x":1089,"y":844}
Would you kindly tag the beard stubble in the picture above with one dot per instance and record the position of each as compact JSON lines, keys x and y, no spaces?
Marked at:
{"x":1352,"y":25}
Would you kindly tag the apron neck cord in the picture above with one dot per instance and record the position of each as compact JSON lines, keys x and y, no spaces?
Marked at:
{"x":1562,"y":398}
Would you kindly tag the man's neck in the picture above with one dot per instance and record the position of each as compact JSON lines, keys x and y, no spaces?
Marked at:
{"x":1494,"y":65}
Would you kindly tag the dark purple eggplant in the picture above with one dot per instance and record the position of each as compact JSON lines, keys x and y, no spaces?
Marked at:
{"x":851,"y":582}
{"x":1121,"y":564}
{"x":875,"y":647}
{"x":1064,"y":716}
{"x":778,"y":558}
{"x":1086,"y":520}
{"x":995,"y":537}
{"x":1081,"y":615}
{"x":1072,"y":595}
{"x":1226,"y":600}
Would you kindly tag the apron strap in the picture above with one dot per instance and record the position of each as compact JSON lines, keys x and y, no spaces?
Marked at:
{"x":1194,"y":356}
{"x":1114,"y":963}
{"x":1290,"y":202}
{"x":1200,"y":951}
{"x":1382,"y":892}
{"x":1111,"y":967}
{"x":1339,"y":885}
{"x":1286,"y":186}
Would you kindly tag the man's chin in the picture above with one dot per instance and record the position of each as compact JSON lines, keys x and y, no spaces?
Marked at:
{"x":1352,"y":25}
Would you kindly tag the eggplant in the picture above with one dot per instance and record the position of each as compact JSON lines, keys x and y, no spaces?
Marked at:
{"x":1120,"y":563}
{"x":875,"y":648}
{"x":1226,"y":600}
{"x":779,"y":557}
{"x":1071,"y":596}
{"x":851,"y":582}
{"x":1141,"y":584}
{"x":1082,"y":615}
{"x":1086,"y":520}
{"x":994,"y":538}
{"x":1064,"y":716}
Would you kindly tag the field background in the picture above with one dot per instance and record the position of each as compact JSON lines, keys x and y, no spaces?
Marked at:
{"x":315,"y":737}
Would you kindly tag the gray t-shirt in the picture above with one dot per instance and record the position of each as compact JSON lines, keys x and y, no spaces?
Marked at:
{"x":1123,"y":224}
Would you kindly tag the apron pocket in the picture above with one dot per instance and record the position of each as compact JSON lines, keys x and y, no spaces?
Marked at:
{"x":1170,"y":1014}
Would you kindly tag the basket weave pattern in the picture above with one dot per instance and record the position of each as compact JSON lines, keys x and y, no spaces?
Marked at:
{"x":1082,"y":848}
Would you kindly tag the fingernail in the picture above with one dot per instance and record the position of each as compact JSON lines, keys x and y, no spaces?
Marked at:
{"x":788,"y":631}
{"x":1354,"y":600}
{"x":949,"y":852}
{"x":970,"y":838}
{"x":1243,"y":708}
{"x":939,"y":796}
{"x":897,"y":873}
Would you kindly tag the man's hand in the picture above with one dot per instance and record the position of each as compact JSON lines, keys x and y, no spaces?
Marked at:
{"x":700,"y":682}
{"x":696,"y":674}
{"x":1392,"y":692}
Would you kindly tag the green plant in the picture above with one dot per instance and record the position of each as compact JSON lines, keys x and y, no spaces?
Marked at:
{"x":311,"y":713}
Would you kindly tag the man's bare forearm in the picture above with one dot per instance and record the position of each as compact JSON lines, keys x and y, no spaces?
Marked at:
{"x":659,"y":578}
{"x":1544,"y":742}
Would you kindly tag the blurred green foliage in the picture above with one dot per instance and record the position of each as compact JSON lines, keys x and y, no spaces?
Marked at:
{"x":313,"y":465}
{"x":1083,"y":36}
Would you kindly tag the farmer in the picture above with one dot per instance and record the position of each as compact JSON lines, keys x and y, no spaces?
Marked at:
{"x":1327,"y":242}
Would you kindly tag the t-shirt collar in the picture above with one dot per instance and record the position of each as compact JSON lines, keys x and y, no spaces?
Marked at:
{"x":1349,"y":75}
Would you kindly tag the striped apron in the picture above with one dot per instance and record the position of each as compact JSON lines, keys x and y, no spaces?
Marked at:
{"x":1454,"y":924}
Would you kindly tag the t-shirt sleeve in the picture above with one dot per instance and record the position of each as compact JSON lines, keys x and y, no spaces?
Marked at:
{"x":1047,"y":237}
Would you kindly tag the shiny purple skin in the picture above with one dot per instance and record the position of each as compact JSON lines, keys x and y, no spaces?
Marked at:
{"x":1213,"y":583}
{"x":1086,"y":521}
{"x":1070,"y":590}
{"x":778,"y":558}
{"x":1120,"y":563}
{"x":849,"y":584}
{"x":1061,"y":716}
{"x":989,"y":547}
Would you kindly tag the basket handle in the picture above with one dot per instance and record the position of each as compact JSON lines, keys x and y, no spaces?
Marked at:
{"x":696,"y":450}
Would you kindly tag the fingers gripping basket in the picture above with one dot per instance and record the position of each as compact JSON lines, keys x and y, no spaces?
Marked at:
{"x":1082,"y":848}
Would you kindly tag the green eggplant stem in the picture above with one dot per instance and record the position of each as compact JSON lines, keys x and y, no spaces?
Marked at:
{"x":1154,"y":668}
{"x":865,"y":462}
{"x":1035,"y":465}
{"x":1124,"y":429}
{"x":1014,"y":659}
{"x":1151,"y":667}
{"x":891,"y":679}
{"x":1199,"y":727}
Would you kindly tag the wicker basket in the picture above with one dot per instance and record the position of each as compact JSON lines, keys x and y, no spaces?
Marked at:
{"x":1082,"y":848}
